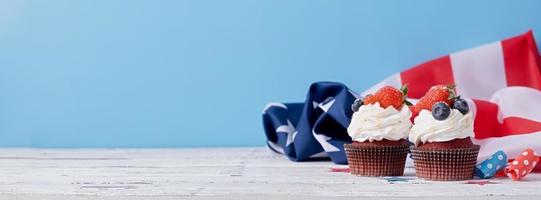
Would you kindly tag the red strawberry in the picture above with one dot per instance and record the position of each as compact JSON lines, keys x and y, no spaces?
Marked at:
{"x":445,"y":93}
{"x":388,"y":96}
{"x":370,"y":99}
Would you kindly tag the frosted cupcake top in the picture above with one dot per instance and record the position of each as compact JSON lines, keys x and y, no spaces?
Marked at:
{"x":374,"y":123}
{"x":427,"y":129}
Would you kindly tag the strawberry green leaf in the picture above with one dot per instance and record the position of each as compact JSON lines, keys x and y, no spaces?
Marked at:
{"x":404,"y":90}
{"x":408,"y":103}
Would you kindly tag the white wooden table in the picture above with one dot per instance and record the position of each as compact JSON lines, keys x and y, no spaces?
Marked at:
{"x":219,"y":173}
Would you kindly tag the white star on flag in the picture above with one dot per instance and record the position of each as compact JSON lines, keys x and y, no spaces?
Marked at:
{"x":322,"y":139}
{"x":290,"y":130}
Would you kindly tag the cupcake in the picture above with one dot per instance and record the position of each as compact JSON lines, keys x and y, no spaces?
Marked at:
{"x":442,"y":133}
{"x":379,"y":130}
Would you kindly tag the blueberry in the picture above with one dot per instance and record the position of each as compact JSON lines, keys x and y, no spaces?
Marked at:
{"x":461,"y":105}
{"x":440,"y":111}
{"x":356,"y":104}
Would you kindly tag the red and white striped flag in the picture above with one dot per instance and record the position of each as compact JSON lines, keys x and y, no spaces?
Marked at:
{"x":502,"y":81}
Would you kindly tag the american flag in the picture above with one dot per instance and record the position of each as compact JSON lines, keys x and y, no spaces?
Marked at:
{"x":501,"y":81}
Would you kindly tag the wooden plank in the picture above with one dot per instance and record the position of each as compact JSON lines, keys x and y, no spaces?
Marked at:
{"x":223,"y":173}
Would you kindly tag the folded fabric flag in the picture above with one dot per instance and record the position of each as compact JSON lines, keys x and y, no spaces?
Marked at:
{"x":522,"y":165}
{"x":312,"y":130}
{"x":489,"y":167}
{"x":502,"y":81}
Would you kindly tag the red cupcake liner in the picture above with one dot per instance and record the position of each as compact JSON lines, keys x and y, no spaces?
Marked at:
{"x":388,"y":160}
{"x":445,"y":164}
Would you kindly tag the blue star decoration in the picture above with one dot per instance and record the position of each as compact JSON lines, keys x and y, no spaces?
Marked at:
{"x":393,"y":179}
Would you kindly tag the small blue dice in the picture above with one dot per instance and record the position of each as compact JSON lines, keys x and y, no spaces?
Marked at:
{"x":490,"y":166}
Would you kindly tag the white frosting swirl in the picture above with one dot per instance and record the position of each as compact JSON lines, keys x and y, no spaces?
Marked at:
{"x":374,"y":123}
{"x":428,"y":129}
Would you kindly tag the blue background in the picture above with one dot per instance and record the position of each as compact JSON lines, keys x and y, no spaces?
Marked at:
{"x":126,"y":73}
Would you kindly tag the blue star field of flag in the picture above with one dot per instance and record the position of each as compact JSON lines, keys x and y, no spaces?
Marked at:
{"x":315,"y":129}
